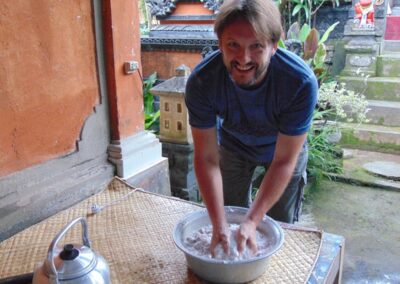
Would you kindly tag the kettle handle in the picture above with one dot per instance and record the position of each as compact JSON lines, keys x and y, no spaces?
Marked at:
{"x":51,"y":252}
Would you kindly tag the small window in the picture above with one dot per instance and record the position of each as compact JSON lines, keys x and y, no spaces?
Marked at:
{"x":179,"y":125}
{"x":166,"y":124}
{"x":179,"y":107}
{"x":166,"y":107}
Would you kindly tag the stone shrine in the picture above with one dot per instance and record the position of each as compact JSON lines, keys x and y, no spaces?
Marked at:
{"x":175,"y":134}
{"x":184,"y":34}
{"x":363,"y":32}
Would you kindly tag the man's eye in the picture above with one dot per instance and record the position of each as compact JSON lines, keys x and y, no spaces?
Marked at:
{"x":232,"y":44}
{"x":256,"y":46}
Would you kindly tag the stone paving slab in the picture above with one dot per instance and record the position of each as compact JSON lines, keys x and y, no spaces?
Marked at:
{"x":386,"y":169}
{"x":353,"y":161}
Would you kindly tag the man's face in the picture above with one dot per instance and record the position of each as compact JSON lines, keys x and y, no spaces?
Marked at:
{"x":246,"y":57}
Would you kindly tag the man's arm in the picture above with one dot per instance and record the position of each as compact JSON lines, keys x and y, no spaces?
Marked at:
{"x":272,"y":186}
{"x":206,"y":165}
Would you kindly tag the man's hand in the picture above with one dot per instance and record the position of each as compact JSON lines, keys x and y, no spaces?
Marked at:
{"x":246,"y":236}
{"x":220,"y":236}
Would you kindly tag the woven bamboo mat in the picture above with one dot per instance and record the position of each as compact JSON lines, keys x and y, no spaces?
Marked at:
{"x":134,"y":235}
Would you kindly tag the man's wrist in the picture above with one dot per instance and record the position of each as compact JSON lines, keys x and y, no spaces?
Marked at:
{"x":249,"y":221}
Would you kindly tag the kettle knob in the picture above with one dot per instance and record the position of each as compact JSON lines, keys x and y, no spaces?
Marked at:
{"x":69,"y":252}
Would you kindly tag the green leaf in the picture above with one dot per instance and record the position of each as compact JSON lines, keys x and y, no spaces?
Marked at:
{"x":306,"y":11}
{"x":151,"y":117}
{"x":304,"y":31}
{"x":320,"y":55}
{"x":149,"y":83}
{"x":297,"y":9}
{"x":294,"y":31}
{"x":281,"y":44}
{"x":327,"y":32}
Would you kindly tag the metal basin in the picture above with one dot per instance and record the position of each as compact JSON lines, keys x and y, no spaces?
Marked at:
{"x":222,"y":271}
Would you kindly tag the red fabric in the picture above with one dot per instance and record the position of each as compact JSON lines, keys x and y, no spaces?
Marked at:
{"x":392,"y":28}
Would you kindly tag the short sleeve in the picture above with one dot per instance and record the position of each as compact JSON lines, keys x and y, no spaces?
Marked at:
{"x":297,"y":116}
{"x":198,"y":101}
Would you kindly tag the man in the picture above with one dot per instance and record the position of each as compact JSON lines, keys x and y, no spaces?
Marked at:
{"x":265,"y":98}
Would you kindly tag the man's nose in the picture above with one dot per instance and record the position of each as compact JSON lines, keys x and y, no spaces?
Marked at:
{"x":244,"y":56}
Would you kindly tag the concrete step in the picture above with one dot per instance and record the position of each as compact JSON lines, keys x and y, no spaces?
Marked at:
{"x":384,"y":113}
{"x":388,"y":65}
{"x":374,"y":88}
{"x":390,"y":46}
{"x":370,"y":137}
{"x":395,"y":12}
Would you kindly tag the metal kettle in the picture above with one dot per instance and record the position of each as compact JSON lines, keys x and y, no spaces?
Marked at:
{"x":75,"y":264}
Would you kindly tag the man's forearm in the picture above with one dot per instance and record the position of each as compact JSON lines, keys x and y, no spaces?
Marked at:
{"x":272,"y":187}
{"x":210,"y":183}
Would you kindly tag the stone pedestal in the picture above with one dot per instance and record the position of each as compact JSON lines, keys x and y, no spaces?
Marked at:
{"x":361,"y":53}
{"x":136,"y":158}
{"x":362,"y":44}
{"x":182,"y":175}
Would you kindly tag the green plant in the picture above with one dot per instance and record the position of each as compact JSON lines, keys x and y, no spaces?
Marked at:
{"x":151,"y":115}
{"x":304,"y":11}
{"x":342,"y":104}
{"x":324,"y":156}
{"x":145,"y":18}
{"x":335,"y":103}
{"x":313,"y":46}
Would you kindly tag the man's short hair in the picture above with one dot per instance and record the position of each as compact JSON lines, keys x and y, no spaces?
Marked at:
{"x":263,"y":15}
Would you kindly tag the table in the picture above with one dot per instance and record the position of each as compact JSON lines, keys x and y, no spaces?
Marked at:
{"x":329,"y":266}
{"x":134,"y":234}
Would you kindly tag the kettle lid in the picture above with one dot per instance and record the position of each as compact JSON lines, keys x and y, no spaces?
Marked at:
{"x":73,"y":261}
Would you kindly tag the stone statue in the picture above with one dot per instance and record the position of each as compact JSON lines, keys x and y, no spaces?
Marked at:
{"x":212,"y":5}
{"x":160,"y":7}
{"x":364,"y":14}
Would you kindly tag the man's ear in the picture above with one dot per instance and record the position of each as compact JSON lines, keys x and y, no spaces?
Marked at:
{"x":274,"y":48}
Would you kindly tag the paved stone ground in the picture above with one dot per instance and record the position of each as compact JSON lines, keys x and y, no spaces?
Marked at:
{"x":367,"y":216}
{"x":356,"y":164}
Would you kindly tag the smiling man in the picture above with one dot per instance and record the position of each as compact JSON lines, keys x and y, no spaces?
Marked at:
{"x":265,"y":97}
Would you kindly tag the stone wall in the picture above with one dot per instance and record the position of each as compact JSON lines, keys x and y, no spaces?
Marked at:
{"x":326,"y":16}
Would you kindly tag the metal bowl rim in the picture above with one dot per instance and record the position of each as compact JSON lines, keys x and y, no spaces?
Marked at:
{"x":180,"y":245}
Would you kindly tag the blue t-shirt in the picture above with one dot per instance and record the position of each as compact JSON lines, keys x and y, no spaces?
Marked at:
{"x":251,"y":119}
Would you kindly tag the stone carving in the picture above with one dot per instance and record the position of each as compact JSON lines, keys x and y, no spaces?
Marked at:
{"x":206,"y":51}
{"x":212,"y":5}
{"x":360,"y":61}
{"x":179,"y":41}
{"x":364,"y":14}
{"x":294,"y":46}
{"x":161,"y":8}
{"x":188,"y":45}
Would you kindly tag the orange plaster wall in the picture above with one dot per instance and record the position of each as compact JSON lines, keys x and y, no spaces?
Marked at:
{"x":191,"y":9}
{"x":48,"y":81}
{"x":123,"y":44}
{"x":165,"y":62}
